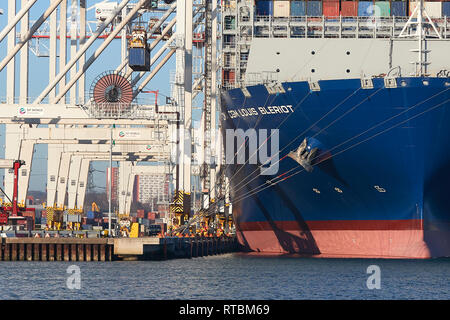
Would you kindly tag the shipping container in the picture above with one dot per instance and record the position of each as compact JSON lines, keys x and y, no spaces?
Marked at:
{"x":398,"y":8}
{"x":314,"y":8}
{"x":281,"y":8}
{"x":446,"y":9}
{"x":229,"y":23}
{"x":229,"y":4}
{"x":382,"y":9}
{"x":228,"y":76}
{"x":365,"y":8}
{"x":349,"y":8}
{"x":264,"y":8}
{"x":139,"y":59}
{"x":298,"y":8}
{"x":434,"y":9}
{"x":140,"y":213}
{"x":331,"y":8}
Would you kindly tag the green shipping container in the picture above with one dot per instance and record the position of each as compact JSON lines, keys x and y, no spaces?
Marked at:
{"x":382,"y":9}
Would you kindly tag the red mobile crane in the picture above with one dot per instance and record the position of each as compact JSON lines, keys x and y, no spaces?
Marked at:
{"x":12,"y":214}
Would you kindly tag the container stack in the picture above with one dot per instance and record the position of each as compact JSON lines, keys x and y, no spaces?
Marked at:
{"x":330,"y":8}
{"x":446,"y":8}
{"x":281,"y":8}
{"x":138,"y":51}
{"x":398,"y":8}
{"x":264,"y":8}
{"x":348,"y":8}
{"x":297,"y":8}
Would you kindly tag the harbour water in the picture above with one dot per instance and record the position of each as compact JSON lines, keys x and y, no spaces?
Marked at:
{"x":229,"y":277}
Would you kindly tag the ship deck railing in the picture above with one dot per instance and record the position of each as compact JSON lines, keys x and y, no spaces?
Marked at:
{"x":332,"y":27}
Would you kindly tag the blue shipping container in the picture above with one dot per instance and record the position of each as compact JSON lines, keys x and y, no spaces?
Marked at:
{"x":139,"y":59}
{"x":365,"y":8}
{"x":446,"y":9}
{"x":297,"y":8}
{"x":314,"y":8}
{"x":264,"y":8}
{"x":398,"y":8}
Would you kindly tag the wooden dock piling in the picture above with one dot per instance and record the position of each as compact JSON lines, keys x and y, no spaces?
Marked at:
{"x":51,"y":252}
{"x":66,"y":250}
{"x":73,"y":252}
{"x":104,"y":249}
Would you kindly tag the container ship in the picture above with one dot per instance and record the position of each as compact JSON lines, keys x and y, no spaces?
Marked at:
{"x":355,"y":96}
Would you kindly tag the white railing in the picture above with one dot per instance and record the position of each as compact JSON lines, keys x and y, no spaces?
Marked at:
{"x":337,"y":27}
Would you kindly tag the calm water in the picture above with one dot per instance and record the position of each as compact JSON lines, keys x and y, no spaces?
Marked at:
{"x":228,"y":277}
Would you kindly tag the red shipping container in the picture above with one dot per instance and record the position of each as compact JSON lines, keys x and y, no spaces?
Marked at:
{"x":28,"y":213}
{"x":349,"y":8}
{"x":140,"y":213}
{"x":330,"y":8}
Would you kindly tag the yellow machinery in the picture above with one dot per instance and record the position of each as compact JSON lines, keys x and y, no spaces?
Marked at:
{"x":94,"y":207}
{"x":138,"y":38}
{"x":134,"y":233}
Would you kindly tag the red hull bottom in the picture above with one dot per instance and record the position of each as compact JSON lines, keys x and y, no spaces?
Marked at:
{"x":346,"y":244}
{"x":399,"y":242}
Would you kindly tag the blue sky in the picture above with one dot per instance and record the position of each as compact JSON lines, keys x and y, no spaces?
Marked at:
{"x":109,"y":60}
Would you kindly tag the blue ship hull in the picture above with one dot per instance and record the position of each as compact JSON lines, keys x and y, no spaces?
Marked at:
{"x":379,"y":188}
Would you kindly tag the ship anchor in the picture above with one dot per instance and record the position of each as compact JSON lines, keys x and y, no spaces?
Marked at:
{"x":304,"y":155}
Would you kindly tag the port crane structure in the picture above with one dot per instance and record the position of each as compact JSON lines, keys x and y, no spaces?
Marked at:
{"x":82,"y":122}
